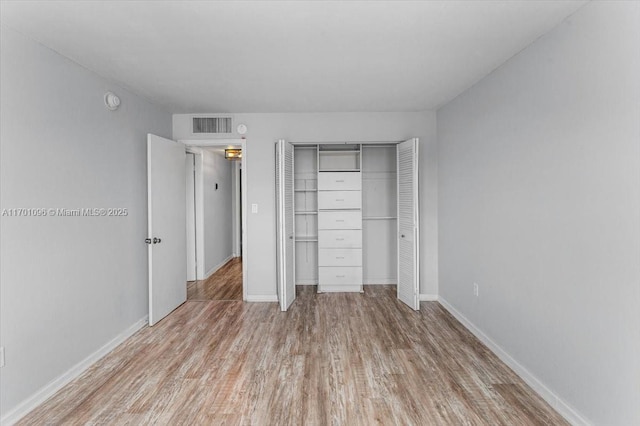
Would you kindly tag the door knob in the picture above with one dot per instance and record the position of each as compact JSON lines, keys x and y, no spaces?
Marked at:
{"x":156,"y":240}
{"x":147,"y":240}
{"x":402,"y":235}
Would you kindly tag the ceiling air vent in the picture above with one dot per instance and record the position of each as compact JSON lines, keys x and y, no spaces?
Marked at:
{"x":212,"y":125}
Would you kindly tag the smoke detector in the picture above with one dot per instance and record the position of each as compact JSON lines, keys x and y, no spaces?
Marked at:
{"x":111,"y":101}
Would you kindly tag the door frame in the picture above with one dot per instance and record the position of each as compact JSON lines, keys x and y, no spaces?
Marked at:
{"x":196,"y":145}
{"x":236,"y":208}
{"x":192,"y":229}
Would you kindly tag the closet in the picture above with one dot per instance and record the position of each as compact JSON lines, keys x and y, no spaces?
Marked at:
{"x":352,"y":218}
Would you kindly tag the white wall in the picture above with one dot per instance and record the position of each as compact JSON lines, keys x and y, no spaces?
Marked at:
{"x":217,"y":210}
{"x":265,"y":129}
{"x":68,"y":284}
{"x":539,"y":203}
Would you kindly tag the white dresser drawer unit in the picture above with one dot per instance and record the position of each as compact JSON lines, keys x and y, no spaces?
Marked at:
{"x":347,"y":238}
{"x":332,"y":200}
{"x":339,"y":226}
{"x":340,"y":257}
{"x":340,"y":275}
{"x":340,"y":219}
{"x":339,"y":181}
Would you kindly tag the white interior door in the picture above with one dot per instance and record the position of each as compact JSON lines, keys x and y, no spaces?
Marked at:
{"x":167,"y":239}
{"x":285,"y":224}
{"x":408,"y":226}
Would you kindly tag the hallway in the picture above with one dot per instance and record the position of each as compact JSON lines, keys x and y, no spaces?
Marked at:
{"x":224,"y":284}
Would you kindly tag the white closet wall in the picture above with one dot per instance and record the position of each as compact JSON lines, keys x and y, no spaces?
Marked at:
{"x":306,"y":208}
{"x":379,"y":209}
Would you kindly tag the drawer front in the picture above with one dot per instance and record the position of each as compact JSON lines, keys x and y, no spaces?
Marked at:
{"x":340,"y":220}
{"x":340,"y":239}
{"x":336,"y":275}
{"x":340,"y":257}
{"x":339,"y":181}
{"x":331,"y":200}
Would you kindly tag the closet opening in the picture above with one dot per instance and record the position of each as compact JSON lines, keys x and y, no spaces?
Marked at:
{"x":354,"y":218}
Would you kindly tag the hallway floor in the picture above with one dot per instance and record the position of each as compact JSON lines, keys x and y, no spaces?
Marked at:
{"x":224,"y":284}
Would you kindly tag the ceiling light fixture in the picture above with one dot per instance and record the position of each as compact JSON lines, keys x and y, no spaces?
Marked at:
{"x":233,"y":154}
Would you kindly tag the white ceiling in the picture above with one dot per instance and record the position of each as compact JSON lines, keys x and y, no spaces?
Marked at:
{"x":268,"y":56}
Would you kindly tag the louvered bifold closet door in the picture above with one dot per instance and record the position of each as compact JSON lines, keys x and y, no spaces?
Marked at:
{"x":408,"y":229}
{"x":279,"y":228}
{"x":285,"y":224}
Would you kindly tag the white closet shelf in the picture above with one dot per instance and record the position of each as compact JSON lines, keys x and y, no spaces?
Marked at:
{"x":314,"y":212}
{"x":379,"y":218}
{"x":307,"y":239}
{"x":339,"y":170}
{"x":305,"y":190}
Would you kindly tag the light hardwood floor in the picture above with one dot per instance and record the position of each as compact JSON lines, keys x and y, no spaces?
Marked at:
{"x":224,"y":284}
{"x":339,"y":359}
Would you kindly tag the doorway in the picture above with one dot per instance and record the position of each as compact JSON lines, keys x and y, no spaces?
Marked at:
{"x":215,"y":195}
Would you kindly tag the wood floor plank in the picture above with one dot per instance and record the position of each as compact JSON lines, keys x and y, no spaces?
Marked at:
{"x":332,"y":359}
{"x":224,"y":284}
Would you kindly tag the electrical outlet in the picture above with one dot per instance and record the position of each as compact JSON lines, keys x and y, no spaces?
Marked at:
{"x":476,"y":289}
{"x":1,"y":356}
{"x":254,"y":208}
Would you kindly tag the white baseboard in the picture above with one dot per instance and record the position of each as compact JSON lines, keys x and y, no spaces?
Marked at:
{"x":74,"y":372}
{"x":339,"y":288}
{"x":262,"y":298}
{"x":372,"y":281}
{"x":381,"y":281}
{"x":218,"y":266}
{"x":428,"y":297}
{"x":565,"y":410}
